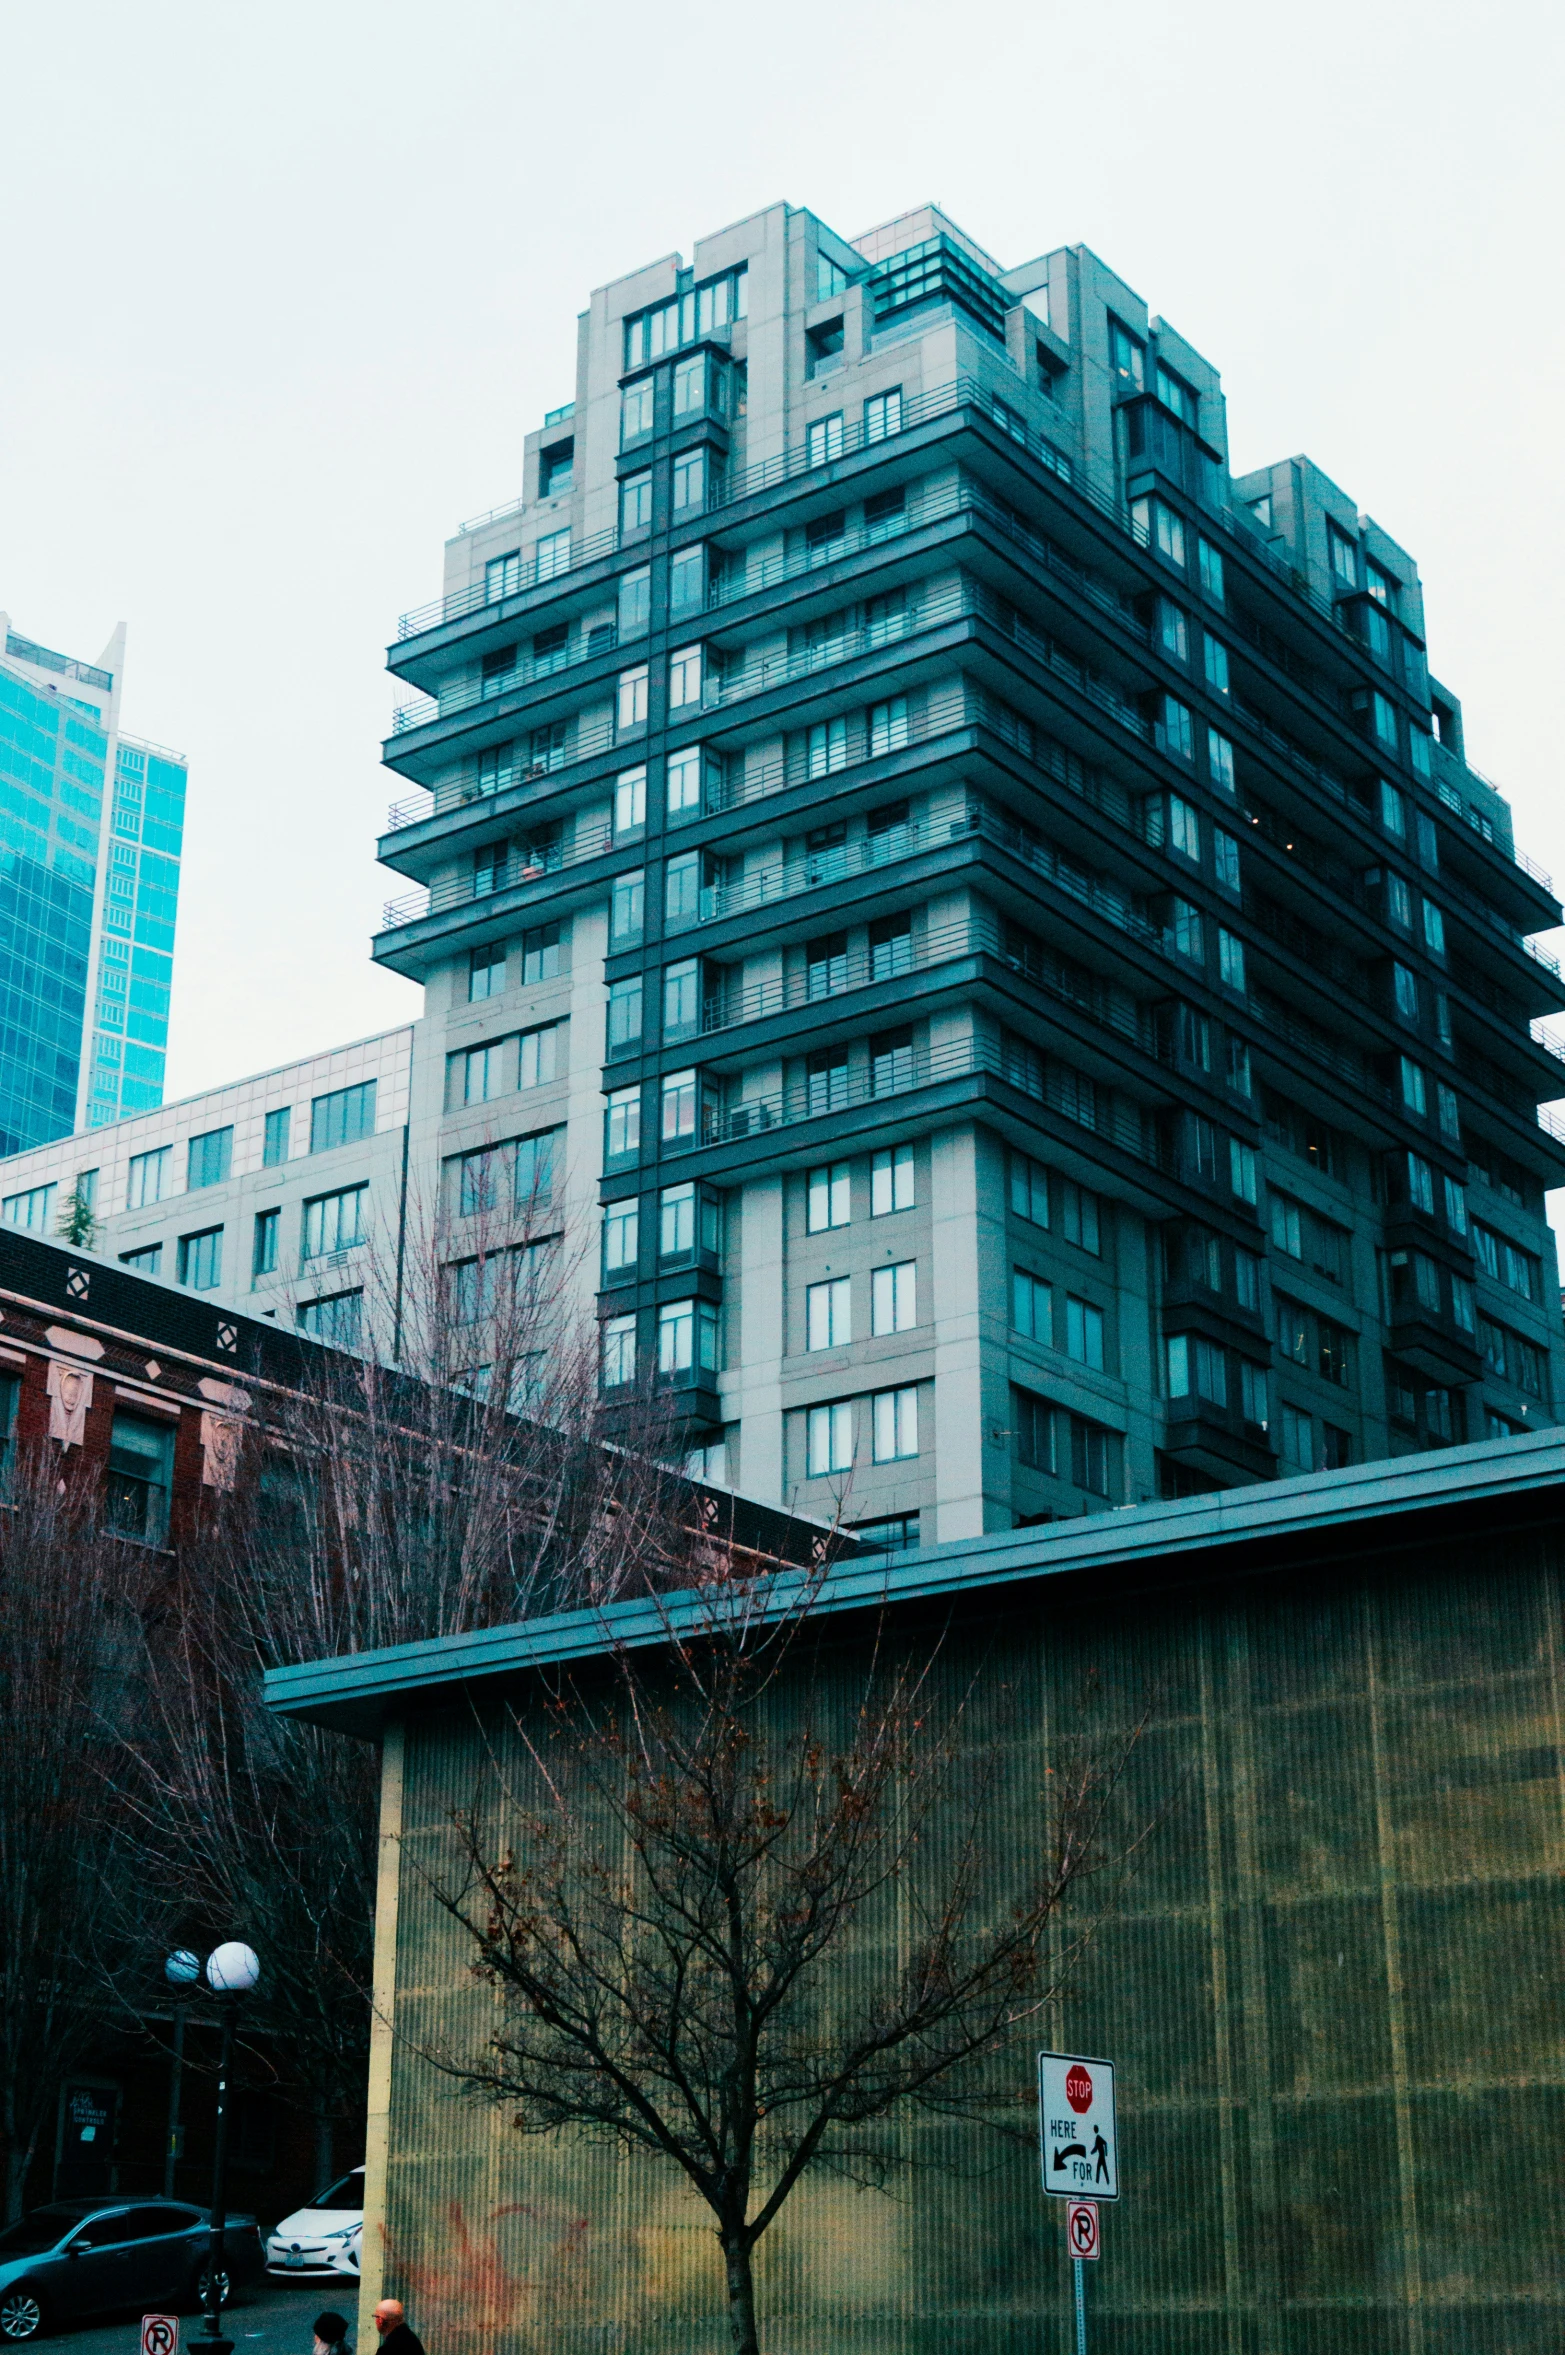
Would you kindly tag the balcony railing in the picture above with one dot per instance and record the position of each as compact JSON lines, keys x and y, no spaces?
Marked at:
{"x":528,"y":864}
{"x":527,"y":671}
{"x":824,"y":1095}
{"x":478,"y":594}
{"x":916,"y":410}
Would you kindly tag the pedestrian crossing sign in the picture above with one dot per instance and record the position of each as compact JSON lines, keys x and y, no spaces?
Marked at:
{"x":1077,"y":2144}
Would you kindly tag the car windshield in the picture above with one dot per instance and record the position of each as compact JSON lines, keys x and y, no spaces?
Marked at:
{"x":38,"y":2231}
{"x":349,"y":2193}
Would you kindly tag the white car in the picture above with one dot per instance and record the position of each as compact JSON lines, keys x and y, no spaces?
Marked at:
{"x":325,"y":2237}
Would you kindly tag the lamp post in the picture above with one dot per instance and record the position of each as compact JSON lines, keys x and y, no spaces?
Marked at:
{"x":231,"y":1972}
{"x":181,"y":1970}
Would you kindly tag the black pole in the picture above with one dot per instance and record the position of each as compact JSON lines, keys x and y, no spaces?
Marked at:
{"x":171,"y":2154}
{"x":212,"y":2341}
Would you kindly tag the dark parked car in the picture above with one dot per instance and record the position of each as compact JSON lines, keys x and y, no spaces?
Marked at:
{"x":80,"y":2257}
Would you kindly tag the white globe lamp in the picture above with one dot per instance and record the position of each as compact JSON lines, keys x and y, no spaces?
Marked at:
{"x":233,"y":1969}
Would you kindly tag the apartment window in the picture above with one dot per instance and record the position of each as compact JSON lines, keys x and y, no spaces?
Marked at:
{"x":893,"y":1298}
{"x":1393,"y":811}
{"x":1127,"y":355}
{"x":485,"y":979}
{"x":1383,"y":720}
{"x":883,"y":414}
{"x":621,"y":1227}
{"x":891,"y":1181}
{"x":556,"y":469}
{"x":263,"y":1248}
{"x":827,"y":748}
{"x":890,"y":1062}
{"x":619,"y":1352}
{"x":1287,"y":1226}
{"x":1449,"y":1111}
{"x":1216,"y":654}
{"x":274,"y":1134}
{"x":140,"y":1477}
{"x":201,"y":1260}
{"x":627,"y":907}
{"x":635,"y":410}
{"x":1029,"y":1190}
{"x":546,"y":747}
{"x":687,"y":582}
{"x":677,"y":1222}
{"x":684,"y":782}
{"x":541,"y":953}
{"x":1009,"y":420}
{"x":624,"y":1014}
{"x":34,"y":1209}
{"x":335,"y":1222}
{"x":149,"y":1182}
{"x":1183,"y":932}
{"x":1238,"y":1066}
{"x":483,"y":1072}
{"x":1344,"y":557}
{"x":210,"y":1159}
{"x":1434,"y":929}
{"x":682,"y":998}
{"x":1209,"y":561}
{"x":1157,"y":526}
{"x":146,"y":1262}
{"x":343,"y":1117}
{"x":1298,"y":1438}
{"x":1242,"y":1175}
{"x":1254,"y":1395}
{"x":679,"y":1108}
{"x":1175,"y":729}
{"x":635,"y":503}
{"x":622,"y":1124}
{"x":885,"y":514}
{"x":829,"y":1439}
{"x":1173,"y":634}
{"x":682,"y":890}
{"x":1032,"y":1308}
{"x":502,"y":576}
{"x":888,"y":726}
{"x":1230,"y":960}
{"x":823,"y":441}
{"x":633,"y":614}
{"x":1404,"y":992}
{"x":826,"y":1080}
{"x":828,"y":1314}
{"x":630,"y":709}
{"x":552,"y":555}
{"x":1220,"y":761}
{"x":690,"y":481}
{"x":896,"y":1425}
{"x":1080,"y":1219}
{"x":684,"y":678}
{"x":1184,"y":829}
{"x":676,"y":1337}
{"x":827,"y":1198}
{"x":538,"y":1058}
{"x":1413,"y":1094}
{"x":1420,"y":1183}
{"x":826,"y":965}
{"x":1196,"y":1368}
{"x":1084,"y":1332}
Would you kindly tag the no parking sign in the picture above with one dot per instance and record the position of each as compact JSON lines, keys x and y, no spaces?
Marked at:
{"x":160,"y":2334}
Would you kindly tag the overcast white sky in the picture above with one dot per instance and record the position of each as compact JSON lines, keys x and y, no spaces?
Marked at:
{"x":284,"y":287}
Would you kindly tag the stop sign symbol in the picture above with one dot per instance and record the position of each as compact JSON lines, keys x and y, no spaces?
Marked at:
{"x":1078,"y":2089}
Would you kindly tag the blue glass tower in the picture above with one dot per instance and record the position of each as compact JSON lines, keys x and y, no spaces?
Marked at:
{"x":135,"y":968}
{"x":91,"y":828}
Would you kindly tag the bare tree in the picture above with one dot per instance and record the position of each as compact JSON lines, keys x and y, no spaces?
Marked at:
{"x":367,"y":1505}
{"x":68,"y":1628}
{"x":739,"y":1916}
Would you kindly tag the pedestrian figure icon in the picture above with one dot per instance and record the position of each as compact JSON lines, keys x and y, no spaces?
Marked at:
{"x":1100,"y":2151}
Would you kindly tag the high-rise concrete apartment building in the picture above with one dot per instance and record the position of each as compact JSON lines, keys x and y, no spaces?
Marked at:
{"x":91,"y":831}
{"x":980,"y":916}
{"x":1039,"y":999}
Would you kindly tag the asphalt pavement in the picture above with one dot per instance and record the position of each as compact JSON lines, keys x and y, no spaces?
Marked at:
{"x":267,"y":2319}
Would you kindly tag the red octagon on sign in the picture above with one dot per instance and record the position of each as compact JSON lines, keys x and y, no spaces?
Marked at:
{"x":1078,"y":2089}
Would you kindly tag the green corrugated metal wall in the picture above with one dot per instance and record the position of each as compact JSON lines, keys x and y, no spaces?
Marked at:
{"x":1331,"y":1988}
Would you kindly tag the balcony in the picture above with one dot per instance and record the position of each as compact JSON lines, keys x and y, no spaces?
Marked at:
{"x":520,"y":867}
{"x":468,"y":694}
{"x":823,"y":1096}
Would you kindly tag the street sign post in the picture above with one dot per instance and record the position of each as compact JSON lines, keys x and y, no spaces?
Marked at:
{"x":1078,"y":2150}
{"x":1077,"y":2144}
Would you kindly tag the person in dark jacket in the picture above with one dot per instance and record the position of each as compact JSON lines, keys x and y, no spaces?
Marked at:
{"x":331,"y":2334}
{"x":395,"y":2336}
